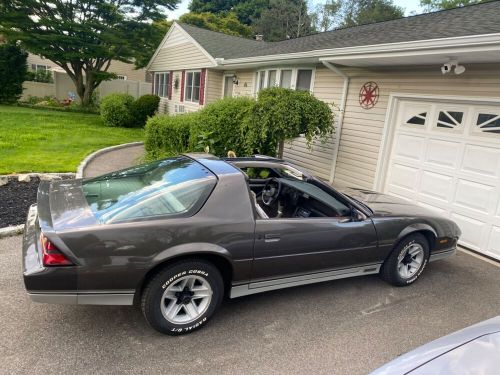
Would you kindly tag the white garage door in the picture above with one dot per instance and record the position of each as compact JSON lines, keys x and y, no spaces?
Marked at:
{"x":446,"y":156}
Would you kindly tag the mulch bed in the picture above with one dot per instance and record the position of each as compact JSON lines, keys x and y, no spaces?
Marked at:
{"x":15,"y":199}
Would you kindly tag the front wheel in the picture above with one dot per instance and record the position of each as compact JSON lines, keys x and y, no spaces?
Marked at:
{"x":182,"y":297}
{"x":407,"y":261}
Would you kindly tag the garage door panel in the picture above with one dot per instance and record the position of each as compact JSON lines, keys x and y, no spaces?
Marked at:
{"x":410,"y":147}
{"x":494,"y":243}
{"x":404,"y":177}
{"x":472,"y":230}
{"x":434,"y":208}
{"x":443,"y":158}
{"x":443,"y":153}
{"x":475,"y":196}
{"x":482,"y":160}
{"x":437,"y":186}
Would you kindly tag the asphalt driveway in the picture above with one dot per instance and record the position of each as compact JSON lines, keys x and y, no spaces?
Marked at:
{"x":348,"y":326}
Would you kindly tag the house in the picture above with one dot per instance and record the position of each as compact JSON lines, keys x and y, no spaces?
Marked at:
{"x":123,"y":70}
{"x":417,"y":103}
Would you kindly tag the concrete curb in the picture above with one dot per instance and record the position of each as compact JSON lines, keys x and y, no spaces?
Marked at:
{"x":89,"y":158}
{"x":11,"y":231}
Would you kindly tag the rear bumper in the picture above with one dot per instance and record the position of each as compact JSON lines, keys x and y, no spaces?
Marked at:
{"x":37,"y":278}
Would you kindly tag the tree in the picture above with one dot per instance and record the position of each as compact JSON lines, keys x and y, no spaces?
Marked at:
{"x":430,"y":5}
{"x":250,"y":10}
{"x":84,"y":36}
{"x":225,"y":23}
{"x":326,"y":16}
{"x":13,"y":72}
{"x":212,"y":6}
{"x":284,"y":19}
{"x":361,"y":12}
{"x":282,"y":114}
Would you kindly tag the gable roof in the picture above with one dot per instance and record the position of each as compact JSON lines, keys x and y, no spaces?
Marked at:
{"x":479,"y":19}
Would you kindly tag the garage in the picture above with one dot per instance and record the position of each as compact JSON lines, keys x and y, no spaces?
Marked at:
{"x":445,"y":155}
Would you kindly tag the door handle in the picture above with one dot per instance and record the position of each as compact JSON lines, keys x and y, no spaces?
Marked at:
{"x":272,"y":237}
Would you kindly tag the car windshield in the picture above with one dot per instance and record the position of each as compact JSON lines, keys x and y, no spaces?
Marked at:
{"x":173,"y":187}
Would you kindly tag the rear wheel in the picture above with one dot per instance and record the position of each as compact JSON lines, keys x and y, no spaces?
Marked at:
{"x":407,"y":261}
{"x":182,"y":297}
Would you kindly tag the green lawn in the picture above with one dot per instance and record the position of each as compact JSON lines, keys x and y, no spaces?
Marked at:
{"x":34,"y":140}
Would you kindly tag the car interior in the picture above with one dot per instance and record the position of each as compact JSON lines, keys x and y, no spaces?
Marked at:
{"x":284,"y":193}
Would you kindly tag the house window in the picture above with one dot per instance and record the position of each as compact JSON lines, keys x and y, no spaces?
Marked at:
{"x":295,"y":79}
{"x":192,"y":89}
{"x":286,"y":79}
{"x":161,"y":84}
{"x":449,"y":119}
{"x":488,"y":123}
{"x":120,"y":77}
{"x":418,"y":119}
{"x":39,"y":67}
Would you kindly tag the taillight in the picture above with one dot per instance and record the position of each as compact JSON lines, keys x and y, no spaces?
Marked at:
{"x":51,"y":256}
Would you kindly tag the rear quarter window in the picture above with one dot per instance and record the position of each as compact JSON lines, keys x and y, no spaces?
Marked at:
{"x":174,"y":187}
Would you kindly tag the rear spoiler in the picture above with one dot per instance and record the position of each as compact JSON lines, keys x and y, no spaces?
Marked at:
{"x":43,"y":206}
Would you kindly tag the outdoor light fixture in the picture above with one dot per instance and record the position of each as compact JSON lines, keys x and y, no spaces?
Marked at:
{"x":235,"y":79}
{"x":448,"y":67}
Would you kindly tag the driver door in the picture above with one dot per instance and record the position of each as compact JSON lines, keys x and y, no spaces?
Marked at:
{"x":299,"y":246}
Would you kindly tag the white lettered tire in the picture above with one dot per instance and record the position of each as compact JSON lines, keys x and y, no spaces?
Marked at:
{"x":182,"y":297}
{"x":407,"y":260}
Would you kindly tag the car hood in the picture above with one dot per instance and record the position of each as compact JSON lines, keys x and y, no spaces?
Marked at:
{"x":472,"y":350}
{"x":384,"y":204}
{"x":62,"y":205}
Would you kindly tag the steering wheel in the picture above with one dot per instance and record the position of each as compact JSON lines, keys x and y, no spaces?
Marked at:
{"x":271,"y":191}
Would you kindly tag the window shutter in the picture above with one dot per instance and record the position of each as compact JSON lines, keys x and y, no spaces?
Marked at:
{"x":202,"y":86}
{"x":182,"y":85}
{"x":170,"y":80}
{"x":153,"y":84}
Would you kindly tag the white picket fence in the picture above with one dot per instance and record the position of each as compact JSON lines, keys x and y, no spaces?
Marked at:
{"x":63,"y":86}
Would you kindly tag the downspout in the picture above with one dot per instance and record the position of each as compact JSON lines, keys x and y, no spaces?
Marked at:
{"x":343,"y":101}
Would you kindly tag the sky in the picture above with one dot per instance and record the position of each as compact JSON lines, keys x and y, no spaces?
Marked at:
{"x":408,"y":5}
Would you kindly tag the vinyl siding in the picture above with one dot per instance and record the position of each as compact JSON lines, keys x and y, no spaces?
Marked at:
{"x":213,"y":85}
{"x":179,"y":52}
{"x":362,"y":129}
{"x":327,"y":87}
{"x":245,"y":82}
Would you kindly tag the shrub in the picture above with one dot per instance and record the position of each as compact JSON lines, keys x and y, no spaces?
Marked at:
{"x":243,"y":125}
{"x":169,"y":135}
{"x":280,"y":114}
{"x":144,"y":107}
{"x":219,"y":126}
{"x":115,"y":110}
{"x":13,"y":70}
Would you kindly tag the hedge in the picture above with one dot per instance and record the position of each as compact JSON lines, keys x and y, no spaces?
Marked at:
{"x":169,"y":135}
{"x":243,"y":125}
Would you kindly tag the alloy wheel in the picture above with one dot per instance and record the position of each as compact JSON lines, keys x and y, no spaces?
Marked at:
{"x":186,"y":299}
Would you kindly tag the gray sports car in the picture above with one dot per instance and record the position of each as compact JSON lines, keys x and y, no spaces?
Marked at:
{"x":178,"y":234}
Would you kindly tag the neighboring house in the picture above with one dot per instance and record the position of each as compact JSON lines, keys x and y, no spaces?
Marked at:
{"x":123,"y":70}
{"x":402,"y":126}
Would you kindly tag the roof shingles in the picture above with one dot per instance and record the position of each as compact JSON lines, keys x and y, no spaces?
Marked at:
{"x":470,"y":20}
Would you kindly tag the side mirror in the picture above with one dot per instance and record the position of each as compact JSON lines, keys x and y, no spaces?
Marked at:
{"x":355,"y":216}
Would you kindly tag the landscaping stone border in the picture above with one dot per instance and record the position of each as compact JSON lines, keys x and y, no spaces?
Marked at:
{"x":11,"y":231}
{"x":89,"y":158}
{"x":4,"y":179}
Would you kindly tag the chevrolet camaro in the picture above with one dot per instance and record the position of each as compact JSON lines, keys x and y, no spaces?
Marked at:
{"x":177,"y":235}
